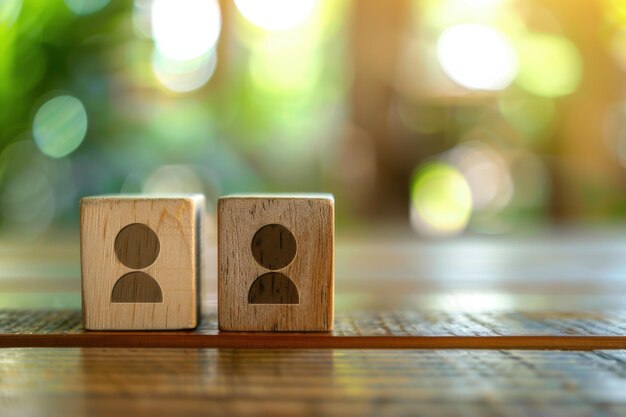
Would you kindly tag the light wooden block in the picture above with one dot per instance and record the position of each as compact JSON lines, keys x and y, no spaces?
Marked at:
{"x":276,"y":262}
{"x":140,"y":261}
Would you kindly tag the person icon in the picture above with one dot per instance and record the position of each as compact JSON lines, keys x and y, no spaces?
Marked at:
{"x":273,"y":247}
{"x":137,"y":247}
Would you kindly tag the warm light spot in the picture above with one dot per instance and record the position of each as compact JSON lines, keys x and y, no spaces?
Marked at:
{"x":438,"y":15}
{"x":184,"y":76}
{"x":477,"y":57}
{"x":276,"y":14}
{"x":473,"y":302}
{"x":615,"y":11}
{"x":60,"y":125}
{"x":618,"y":47}
{"x":84,"y":7}
{"x":185,"y":29}
{"x":550,"y":65}
{"x":441,"y":200}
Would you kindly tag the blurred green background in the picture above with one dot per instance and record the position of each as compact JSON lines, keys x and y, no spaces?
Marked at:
{"x":448,"y":116}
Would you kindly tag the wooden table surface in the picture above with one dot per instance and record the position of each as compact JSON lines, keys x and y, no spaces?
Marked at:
{"x":524,"y":326}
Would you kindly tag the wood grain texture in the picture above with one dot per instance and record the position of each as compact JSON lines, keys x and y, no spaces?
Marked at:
{"x":371,"y":330}
{"x":244,"y":255}
{"x":310,"y":382}
{"x":549,"y":293}
{"x":161,"y":242}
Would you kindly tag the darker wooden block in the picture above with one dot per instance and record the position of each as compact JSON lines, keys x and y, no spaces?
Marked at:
{"x":275,"y":256}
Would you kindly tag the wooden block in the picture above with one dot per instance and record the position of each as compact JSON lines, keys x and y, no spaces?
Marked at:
{"x":276,"y":262}
{"x":140,"y":261}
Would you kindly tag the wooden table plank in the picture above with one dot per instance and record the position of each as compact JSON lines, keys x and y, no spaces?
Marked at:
{"x":569,"y":291}
{"x":377,"y":330}
{"x":192,"y":382}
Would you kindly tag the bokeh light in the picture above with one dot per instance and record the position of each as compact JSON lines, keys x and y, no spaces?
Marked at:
{"x":85,"y":7}
{"x":441,"y":200}
{"x":184,"y":76}
{"x":276,"y":14}
{"x":173,"y":179}
{"x":33,"y":188}
{"x":319,"y":95}
{"x":486,"y":173}
{"x":477,"y":57}
{"x":618,"y":47}
{"x":60,"y":125}
{"x":615,"y":133}
{"x":284,"y":68}
{"x":615,"y":11}
{"x":474,"y":301}
{"x":142,"y":18}
{"x":531,"y":180}
{"x":28,"y":202}
{"x":185,"y":29}
{"x":441,"y":14}
{"x":532,"y":116}
{"x":9,"y":11}
{"x":550,"y":65}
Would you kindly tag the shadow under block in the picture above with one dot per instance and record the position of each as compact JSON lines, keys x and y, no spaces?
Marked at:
{"x":140,"y":262}
{"x":276,"y":262}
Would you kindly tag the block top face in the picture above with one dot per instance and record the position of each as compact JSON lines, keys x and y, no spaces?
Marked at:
{"x":294,"y":196}
{"x":141,"y":197}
